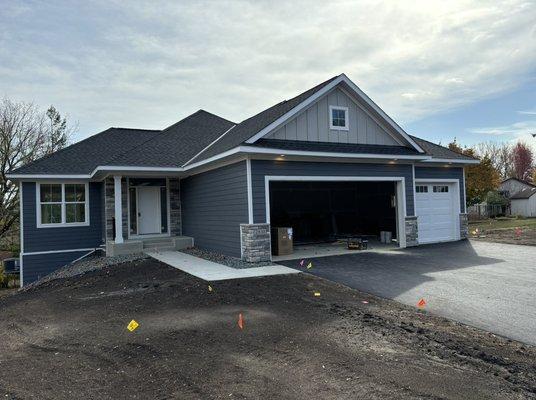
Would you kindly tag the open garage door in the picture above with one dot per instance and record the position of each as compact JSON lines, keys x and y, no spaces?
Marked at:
{"x":321,"y":211}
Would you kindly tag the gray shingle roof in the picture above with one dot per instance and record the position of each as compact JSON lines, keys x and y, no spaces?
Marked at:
{"x":177,"y":144}
{"x":437,"y":151}
{"x":184,"y":142}
{"x":249,"y":127}
{"x":170,"y":147}
{"x":334,"y":147}
{"x":524,"y":194}
{"x":83,"y":157}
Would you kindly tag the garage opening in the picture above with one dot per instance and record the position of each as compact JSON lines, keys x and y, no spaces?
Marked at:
{"x":322,"y":213}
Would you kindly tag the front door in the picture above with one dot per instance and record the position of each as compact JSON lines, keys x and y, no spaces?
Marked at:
{"x":148,"y":210}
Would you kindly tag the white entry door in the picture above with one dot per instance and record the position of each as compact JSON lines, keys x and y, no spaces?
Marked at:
{"x":148,"y":210}
{"x":435,"y":211}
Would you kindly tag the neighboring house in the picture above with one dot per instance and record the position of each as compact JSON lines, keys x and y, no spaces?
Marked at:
{"x":511,"y":186}
{"x":523,"y":203}
{"x":219,"y":184}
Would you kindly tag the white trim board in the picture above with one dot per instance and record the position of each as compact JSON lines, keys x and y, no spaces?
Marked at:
{"x":400,"y":194}
{"x":250,"y":191}
{"x":21,"y":232}
{"x":35,"y":253}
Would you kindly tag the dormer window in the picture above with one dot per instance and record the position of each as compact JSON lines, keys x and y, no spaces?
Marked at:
{"x":338,"y":118}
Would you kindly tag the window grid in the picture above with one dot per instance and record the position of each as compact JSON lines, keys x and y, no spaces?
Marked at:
{"x":59,"y":206}
{"x":441,"y":189}
{"x":421,"y":189}
{"x":338,"y":118}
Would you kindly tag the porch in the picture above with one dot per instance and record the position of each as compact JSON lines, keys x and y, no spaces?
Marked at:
{"x":143,"y":213}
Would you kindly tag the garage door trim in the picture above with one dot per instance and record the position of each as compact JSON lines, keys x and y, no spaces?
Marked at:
{"x":455,"y":198}
{"x":400,"y":193}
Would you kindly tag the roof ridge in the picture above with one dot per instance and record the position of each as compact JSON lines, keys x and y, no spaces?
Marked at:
{"x":164,"y":132}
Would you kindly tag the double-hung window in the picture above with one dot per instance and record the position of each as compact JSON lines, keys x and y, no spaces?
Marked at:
{"x":338,"y":118}
{"x":62,"y":204}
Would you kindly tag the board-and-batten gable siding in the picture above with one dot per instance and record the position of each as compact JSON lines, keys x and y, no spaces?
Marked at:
{"x":36,"y":266}
{"x":443,"y":173}
{"x":312,"y":124}
{"x":513,"y":186}
{"x":262,"y":168}
{"x":214,"y":204}
{"x":62,"y":238}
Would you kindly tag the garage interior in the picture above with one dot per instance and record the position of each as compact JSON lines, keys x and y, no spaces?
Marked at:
{"x":323,"y":215}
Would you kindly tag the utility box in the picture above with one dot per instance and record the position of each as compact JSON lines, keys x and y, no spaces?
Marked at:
{"x":282,"y":241}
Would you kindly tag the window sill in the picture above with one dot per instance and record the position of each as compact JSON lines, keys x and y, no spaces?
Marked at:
{"x":71,"y":225}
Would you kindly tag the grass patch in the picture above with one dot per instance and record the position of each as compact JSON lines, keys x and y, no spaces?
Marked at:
{"x":503,"y":223}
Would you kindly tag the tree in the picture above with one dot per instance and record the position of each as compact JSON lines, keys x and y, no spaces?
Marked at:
{"x":479,"y":178}
{"x":523,"y":159}
{"x":26,"y":134}
{"x":500,"y":154}
{"x":58,"y":133}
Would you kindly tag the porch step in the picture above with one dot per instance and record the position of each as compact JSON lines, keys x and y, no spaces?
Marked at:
{"x":156,"y":244}
{"x":159,"y":248}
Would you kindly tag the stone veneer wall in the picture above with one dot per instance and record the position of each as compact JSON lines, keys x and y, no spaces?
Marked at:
{"x":256,"y":243}
{"x":109,"y":209}
{"x":412,"y":232}
{"x":464,"y":226}
{"x":175,"y":207}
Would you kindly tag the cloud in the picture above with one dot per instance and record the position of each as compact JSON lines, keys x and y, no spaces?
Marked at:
{"x":146,"y":65}
{"x":521,"y":131}
{"x":527,"y":112}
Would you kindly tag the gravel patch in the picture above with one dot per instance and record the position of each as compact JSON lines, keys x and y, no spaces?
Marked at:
{"x":90,"y":263}
{"x":229,"y":261}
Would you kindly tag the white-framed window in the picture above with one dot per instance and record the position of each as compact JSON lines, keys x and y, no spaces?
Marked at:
{"x":338,"y":118}
{"x":421,"y":189}
{"x":62,"y":204}
{"x":441,"y":189}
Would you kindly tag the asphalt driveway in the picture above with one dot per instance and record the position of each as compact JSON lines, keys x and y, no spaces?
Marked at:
{"x":487,"y":285}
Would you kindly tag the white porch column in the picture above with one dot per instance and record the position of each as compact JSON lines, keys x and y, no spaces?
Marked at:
{"x":118,"y":211}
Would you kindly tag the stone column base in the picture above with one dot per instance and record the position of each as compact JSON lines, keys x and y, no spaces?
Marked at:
{"x":255,"y":242}
{"x":412,"y":232}
{"x":464,"y":226}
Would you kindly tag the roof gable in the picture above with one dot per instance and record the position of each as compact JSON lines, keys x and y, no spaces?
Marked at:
{"x":258,"y":126}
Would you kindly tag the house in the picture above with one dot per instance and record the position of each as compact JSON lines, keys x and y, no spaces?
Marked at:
{"x":326,"y":162}
{"x":511,"y":186}
{"x":521,"y":196}
{"x":523,"y":203}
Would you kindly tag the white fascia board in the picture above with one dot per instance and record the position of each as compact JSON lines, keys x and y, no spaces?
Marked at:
{"x":258,"y":150}
{"x":451,"y":161}
{"x":296,"y":109}
{"x":44,"y":176}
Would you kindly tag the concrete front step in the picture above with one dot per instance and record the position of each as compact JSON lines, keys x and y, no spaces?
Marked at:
{"x":149,"y":244}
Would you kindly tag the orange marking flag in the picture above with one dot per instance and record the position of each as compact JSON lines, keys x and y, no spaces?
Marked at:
{"x":240,"y":321}
{"x":421,"y":303}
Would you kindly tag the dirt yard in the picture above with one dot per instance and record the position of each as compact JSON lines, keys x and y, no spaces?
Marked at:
{"x":505,"y":230}
{"x":67,"y":339}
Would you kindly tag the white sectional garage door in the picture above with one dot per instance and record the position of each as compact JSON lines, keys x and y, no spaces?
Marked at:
{"x":435,"y":211}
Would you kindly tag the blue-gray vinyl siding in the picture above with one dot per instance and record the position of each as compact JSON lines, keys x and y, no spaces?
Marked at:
{"x":39,"y":265}
{"x":214,"y":204}
{"x":62,"y":238}
{"x":262,"y":168}
{"x":444,"y":173}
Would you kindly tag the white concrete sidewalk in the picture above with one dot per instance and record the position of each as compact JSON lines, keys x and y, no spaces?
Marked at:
{"x":211,"y":271}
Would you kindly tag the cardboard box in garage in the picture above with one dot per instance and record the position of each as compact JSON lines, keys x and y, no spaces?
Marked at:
{"x":282,"y":241}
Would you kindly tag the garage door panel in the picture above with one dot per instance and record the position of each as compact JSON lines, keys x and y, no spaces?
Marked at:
{"x":435,"y":212}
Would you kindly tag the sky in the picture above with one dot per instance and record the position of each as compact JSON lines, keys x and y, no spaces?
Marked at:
{"x":441,"y":69}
